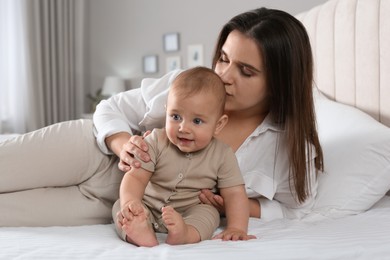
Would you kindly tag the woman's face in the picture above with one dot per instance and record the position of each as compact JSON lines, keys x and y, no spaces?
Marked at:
{"x":242,"y":70}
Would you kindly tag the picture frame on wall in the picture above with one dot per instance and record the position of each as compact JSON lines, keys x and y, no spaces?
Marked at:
{"x":173,"y":63}
{"x":150,"y":64}
{"x":195,"y":55}
{"x":171,"y":42}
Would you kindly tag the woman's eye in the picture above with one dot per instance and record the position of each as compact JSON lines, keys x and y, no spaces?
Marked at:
{"x":246,"y":71}
{"x":223,"y":59}
{"x":198,"y":121}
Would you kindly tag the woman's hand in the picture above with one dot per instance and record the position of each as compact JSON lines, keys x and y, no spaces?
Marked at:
{"x":126,"y":147}
{"x":136,"y":146}
{"x":208,"y":197}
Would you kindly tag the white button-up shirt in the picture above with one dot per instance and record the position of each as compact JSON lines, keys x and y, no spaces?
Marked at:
{"x":262,"y":158}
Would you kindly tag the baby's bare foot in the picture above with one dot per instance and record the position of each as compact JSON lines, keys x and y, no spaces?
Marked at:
{"x":178,"y":231}
{"x":139,"y":231}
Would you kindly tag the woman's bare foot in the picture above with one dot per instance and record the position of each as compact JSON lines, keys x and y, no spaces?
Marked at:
{"x":178,"y":231}
{"x":139,"y":231}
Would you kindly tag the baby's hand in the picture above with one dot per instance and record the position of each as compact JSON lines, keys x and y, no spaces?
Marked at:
{"x":233,"y":234}
{"x":132,"y":208}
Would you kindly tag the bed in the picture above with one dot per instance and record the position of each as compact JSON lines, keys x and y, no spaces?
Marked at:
{"x":351,"y":217}
{"x":362,"y":236}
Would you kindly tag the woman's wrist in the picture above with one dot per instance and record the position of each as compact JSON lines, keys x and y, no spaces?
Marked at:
{"x":254,"y":208}
{"x":116,"y":141}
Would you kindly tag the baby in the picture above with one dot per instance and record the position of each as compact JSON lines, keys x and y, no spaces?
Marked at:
{"x":163,"y":194}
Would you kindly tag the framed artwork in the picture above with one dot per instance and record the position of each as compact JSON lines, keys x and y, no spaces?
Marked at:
{"x":171,"y":42}
{"x":150,"y":64}
{"x":173,"y":63}
{"x":195,"y":55}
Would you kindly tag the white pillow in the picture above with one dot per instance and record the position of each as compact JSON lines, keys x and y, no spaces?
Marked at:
{"x":356,"y":151}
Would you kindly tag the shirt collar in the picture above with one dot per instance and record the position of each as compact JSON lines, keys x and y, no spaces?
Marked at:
{"x":267,"y":124}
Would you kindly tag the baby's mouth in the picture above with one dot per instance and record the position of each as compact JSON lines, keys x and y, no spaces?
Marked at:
{"x":184,"y":140}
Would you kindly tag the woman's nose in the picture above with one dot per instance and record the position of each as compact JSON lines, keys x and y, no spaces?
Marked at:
{"x":225,"y":73}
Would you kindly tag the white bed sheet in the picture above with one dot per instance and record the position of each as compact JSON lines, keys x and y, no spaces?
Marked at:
{"x":363,"y":236}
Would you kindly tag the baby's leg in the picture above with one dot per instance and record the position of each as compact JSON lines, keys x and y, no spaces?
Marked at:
{"x":137,"y":230}
{"x":204,"y":218}
{"x":178,"y":231}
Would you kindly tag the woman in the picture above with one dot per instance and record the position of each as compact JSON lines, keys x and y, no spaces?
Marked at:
{"x":264,"y":58}
{"x":58,"y":176}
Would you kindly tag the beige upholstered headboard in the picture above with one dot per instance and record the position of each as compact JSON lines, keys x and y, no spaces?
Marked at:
{"x":351,"y":48}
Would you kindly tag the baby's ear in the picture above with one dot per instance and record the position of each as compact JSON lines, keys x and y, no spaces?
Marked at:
{"x":220,"y":124}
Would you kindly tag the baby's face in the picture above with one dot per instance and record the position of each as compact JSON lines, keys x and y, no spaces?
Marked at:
{"x":192,"y":121}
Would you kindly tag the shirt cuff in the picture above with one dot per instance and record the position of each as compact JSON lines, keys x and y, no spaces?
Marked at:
{"x":110,"y":128}
{"x":270,"y":209}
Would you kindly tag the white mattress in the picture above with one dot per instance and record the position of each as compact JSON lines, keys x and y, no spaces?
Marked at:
{"x":363,"y":236}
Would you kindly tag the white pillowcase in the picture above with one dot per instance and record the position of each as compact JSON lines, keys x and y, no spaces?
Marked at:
{"x":356,"y":151}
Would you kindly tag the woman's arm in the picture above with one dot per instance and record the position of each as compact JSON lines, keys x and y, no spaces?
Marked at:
{"x":208,"y":197}
{"x":254,"y":208}
{"x":119,"y":114}
{"x":118,"y":118}
{"x":125,"y":146}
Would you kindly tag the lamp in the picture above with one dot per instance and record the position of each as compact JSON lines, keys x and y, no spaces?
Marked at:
{"x":112,"y":86}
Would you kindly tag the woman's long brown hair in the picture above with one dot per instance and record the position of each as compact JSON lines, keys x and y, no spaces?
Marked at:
{"x":286,"y":50}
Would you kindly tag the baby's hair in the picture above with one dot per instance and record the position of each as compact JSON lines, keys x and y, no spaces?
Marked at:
{"x":197,"y":80}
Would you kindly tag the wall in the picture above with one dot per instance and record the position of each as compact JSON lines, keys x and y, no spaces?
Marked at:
{"x":120,"y":32}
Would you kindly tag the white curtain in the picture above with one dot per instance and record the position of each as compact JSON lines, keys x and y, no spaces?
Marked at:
{"x":41,"y":64}
{"x":13,"y":78}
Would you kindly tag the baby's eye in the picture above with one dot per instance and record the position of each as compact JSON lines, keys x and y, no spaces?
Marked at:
{"x":175,"y":117}
{"x":198,"y":121}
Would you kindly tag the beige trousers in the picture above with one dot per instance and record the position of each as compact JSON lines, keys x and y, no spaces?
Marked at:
{"x":57,"y":176}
